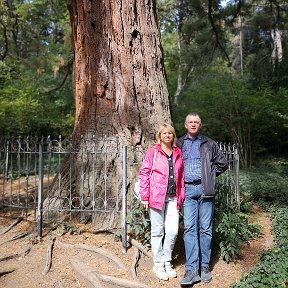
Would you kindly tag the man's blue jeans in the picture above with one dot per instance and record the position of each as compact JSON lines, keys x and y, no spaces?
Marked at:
{"x":198,"y":218}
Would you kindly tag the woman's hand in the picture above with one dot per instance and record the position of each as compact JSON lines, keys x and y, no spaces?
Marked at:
{"x":145,"y":204}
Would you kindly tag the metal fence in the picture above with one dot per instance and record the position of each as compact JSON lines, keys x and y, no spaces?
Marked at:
{"x":35,"y":174}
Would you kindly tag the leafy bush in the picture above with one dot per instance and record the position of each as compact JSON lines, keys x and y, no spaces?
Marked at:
{"x":138,"y":222}
{"x":267,"y":183}
{"x":231,"y":230}
{"x":63,"y":228}
{"x":272,"y":269}
{"x":268,"y":186}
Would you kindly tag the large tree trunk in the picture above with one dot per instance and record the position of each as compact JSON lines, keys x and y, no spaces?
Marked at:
{"x":119,"y":79}
{"x":119,"y":83}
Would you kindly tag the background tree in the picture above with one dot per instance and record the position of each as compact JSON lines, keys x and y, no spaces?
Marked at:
{"x":239,"y":43}
{"x":35,"y":68}
{"x":233,"y":79}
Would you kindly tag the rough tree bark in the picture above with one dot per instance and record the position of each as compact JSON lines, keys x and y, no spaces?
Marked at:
{"x":119,"y":79}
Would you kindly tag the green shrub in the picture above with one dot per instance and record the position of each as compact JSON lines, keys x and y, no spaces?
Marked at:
{"x":138,"y":222}
{"x":268,"y":186}
{"x":231,"y":230}
{"x":270,"y":271}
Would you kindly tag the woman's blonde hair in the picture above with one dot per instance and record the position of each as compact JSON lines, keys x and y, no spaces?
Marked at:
{"x":170,"y":129}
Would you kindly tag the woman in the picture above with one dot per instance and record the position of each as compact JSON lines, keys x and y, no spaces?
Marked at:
{"x":162,"y":190}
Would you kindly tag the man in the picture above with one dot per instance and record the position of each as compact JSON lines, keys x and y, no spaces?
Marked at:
{"x":203,"y":161}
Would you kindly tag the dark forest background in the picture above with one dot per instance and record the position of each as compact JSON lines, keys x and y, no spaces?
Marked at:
{"x":227,"y":62}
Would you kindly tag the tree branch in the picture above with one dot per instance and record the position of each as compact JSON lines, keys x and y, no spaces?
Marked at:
{"x":67,"y":71}
{"x":3,"y":56}
{"x":211,"y":20}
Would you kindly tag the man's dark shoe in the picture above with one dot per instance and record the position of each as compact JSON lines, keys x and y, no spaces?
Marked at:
{"x":205,"y":274}
{"x":189,"y":278}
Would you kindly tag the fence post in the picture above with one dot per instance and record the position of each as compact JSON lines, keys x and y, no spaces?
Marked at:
{"x":124,"y":181}
{"x":40,"y":193}
{"x":237,"y":180}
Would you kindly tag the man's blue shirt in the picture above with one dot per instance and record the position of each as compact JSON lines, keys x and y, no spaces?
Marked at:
{"x":191,"y":156}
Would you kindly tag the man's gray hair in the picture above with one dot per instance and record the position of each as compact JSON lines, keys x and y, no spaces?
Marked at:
{"x":193,"y":114}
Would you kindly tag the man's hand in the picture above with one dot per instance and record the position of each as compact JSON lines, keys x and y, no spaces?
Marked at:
{"x":145,"y":204}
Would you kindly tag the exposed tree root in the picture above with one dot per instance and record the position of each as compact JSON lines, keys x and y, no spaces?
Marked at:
{"x":94,"y":278}
{"x":49,"y":258}
{"x":18,"y":220}
{"x":21,"y":235}
{"x":133,"y":242}
{"x":134,"y":264}
{"x":23,"y":254}
{"x":6,"y":272}
{"x":86,"y":273}
{"x":100,"y":251}
{"x":139,"y":246}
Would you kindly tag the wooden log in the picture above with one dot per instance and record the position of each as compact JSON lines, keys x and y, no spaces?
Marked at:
{"x":100,"y":251}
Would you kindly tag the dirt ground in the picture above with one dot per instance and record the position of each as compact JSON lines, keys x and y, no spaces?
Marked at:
{"x":30,"y":270}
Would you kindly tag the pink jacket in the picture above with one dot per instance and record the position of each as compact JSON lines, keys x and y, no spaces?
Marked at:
{"x":154,"y":188}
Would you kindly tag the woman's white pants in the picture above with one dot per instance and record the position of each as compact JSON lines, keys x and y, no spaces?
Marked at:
{"x":164,"y":230}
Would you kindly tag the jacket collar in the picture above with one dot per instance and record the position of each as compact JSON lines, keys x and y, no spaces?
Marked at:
{"x":176,"y":150}
{"x":199,"y":136}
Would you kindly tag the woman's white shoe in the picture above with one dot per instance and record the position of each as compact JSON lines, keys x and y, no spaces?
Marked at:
{"x":170,"y":271}
{"x":160,"y":273}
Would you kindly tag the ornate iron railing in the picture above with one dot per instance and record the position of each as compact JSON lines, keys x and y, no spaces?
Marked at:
{"x":34,"y":175}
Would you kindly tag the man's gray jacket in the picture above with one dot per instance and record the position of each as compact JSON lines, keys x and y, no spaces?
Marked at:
{"x":213,"y":163}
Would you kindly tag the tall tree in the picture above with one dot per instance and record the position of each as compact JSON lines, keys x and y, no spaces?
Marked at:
{"x":119,"y":80}
{"x":119,"y":83}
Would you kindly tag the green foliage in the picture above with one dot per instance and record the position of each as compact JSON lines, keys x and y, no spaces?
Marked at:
{"x":247,"y":97}
{"x":232,"y":229}
{"x":24,"y":111}
{"x":268,"y":185}
{"x":252,"y":118}
{"x":138,"y":222}
{"x":231,"y":223}
{"x":63,"y":228}
{"x":34,"y":58}
{"x":272,"y":269}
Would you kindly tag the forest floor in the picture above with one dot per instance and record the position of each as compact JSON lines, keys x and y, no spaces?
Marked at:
{"x":32,"y":270}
